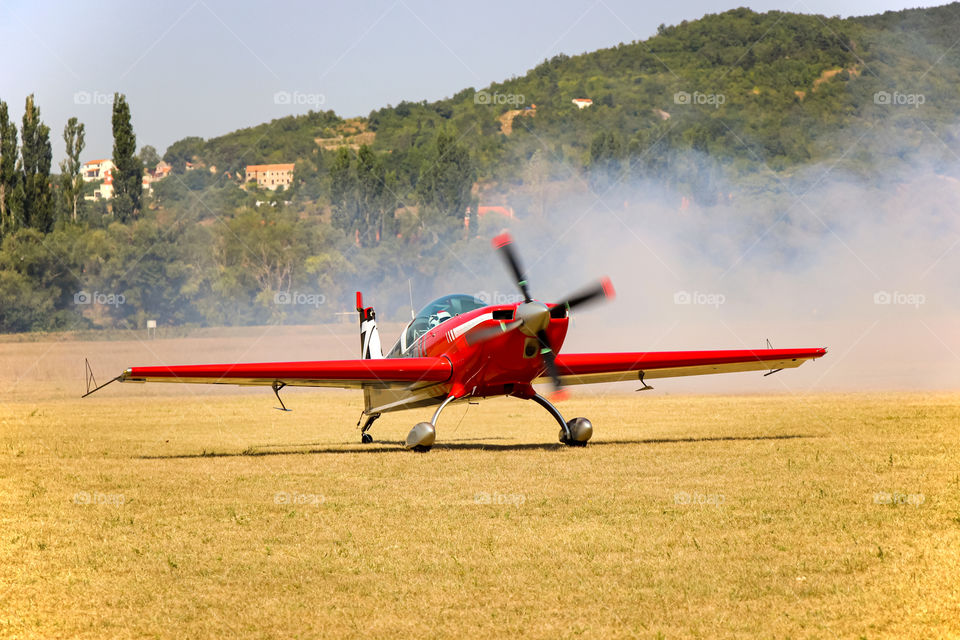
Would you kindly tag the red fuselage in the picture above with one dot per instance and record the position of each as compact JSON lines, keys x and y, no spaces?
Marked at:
{"x":502,"y":365}
{"x":498,"y":366}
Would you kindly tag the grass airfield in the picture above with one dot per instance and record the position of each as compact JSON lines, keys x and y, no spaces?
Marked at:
{"x":175,"y":511}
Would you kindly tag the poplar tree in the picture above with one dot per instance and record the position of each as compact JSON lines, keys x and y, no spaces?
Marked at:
{"x":127,"y":171}
{"x":9,"y":178}
{"x":36,"y":156}
{"x":71,"y":178}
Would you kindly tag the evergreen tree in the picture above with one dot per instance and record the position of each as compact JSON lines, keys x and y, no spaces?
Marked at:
{"x":9,"y":178}
{"x":149,"y":157}
{"x":343,"y":193}
{"x":374,"y":196}
{"x":127,"y":171}
{"x":183,"y":151}
{"x":446,"y":179}
{"x":71,"y":178}
{"x":36,"y":157}
{"x":362,"y":194}
{"x":605,"y":162}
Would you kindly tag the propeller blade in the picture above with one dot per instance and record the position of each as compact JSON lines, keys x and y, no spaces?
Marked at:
{"x":482,"y":335}
{"x":504,"y":244}
{"x":603,"y":289}
{"x":549,"y":360}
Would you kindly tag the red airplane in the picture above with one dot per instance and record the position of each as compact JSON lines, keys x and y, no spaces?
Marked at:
{"x":459,"y":348}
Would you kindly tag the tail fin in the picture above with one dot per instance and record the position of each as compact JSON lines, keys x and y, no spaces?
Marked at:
{"x":369,"y":336}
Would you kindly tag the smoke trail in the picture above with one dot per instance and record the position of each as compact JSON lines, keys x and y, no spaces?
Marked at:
{"x":866,"y":267}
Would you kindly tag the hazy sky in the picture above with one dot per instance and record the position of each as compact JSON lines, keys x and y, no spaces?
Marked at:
{"x":205,"y":67}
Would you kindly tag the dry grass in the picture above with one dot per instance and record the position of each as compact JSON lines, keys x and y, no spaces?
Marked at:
{"x":214,"y":515}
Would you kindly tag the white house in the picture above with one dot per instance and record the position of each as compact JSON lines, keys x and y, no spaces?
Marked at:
{"x":99,"y":170}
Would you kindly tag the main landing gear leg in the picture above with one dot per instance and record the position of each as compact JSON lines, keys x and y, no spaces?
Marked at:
{"x":422,"y":436}
{"x":365,"y":437}
{"x":573,"y":433}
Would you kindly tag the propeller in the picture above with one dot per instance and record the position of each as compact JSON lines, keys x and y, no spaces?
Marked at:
{"x":482,"y":335}
{"x":504,"y":244}
{"x":550,"y":362}
{"x":602,"y":289}
{"x":532,"y":317}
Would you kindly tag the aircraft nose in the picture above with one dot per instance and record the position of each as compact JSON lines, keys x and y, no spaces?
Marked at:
{"x":535,"y":317}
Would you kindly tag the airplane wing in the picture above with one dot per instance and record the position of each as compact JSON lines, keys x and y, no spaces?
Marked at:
{"x":585,"y":368}
{"x":402,"y":373}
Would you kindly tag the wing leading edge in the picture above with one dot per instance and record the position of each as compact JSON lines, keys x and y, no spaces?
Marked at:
{"x":406,"y":373}
{"x":584,"y":368}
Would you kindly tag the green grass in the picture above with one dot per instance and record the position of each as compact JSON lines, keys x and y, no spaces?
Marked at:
{"x":216,"y":515}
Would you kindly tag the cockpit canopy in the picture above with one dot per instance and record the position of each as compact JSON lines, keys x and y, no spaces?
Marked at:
{"x":433,"y":315}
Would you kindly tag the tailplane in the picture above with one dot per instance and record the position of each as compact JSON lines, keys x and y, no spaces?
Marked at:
{"x":369,"y":336}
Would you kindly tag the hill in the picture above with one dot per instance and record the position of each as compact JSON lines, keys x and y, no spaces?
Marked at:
{"x":752,"y":90}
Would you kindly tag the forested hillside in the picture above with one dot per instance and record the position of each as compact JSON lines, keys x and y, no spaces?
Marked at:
{"x":777,"y":90}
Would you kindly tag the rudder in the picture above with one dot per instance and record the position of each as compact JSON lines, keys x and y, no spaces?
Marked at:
{"x":369,"y":335}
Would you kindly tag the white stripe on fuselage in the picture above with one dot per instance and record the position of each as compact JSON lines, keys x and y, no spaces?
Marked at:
{"x":453,"y":334}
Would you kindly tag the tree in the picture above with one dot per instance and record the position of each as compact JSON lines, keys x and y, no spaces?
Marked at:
{"x":446,"y":178}
{"x":362,"y":194}
{"x":34,"y":287}
{"x":537,"y":177}
{"x":71,"y":178}
{"x":343,"y":192}
{"x":149,"y":156}
{"x":9,"y":178}
{"x":183,"y":151}
{"x":127,"y":172}
{"x":605,"y":166}
{"x":376,"y":197}
{"x":36,"y":156}
{"x":263,"y":255}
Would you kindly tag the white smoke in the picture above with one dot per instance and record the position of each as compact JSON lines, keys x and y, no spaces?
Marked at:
{"x":866,"y":267}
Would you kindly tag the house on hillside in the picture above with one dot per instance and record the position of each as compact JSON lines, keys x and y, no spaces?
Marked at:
{"x":506,"y":212}
{"x":161,"y":171}
{"x":103,"y":170}
{"x":95,"y":169}
{"x":99,"y":170}
{"x":270,"y":176}
{"x":582,"y":103}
